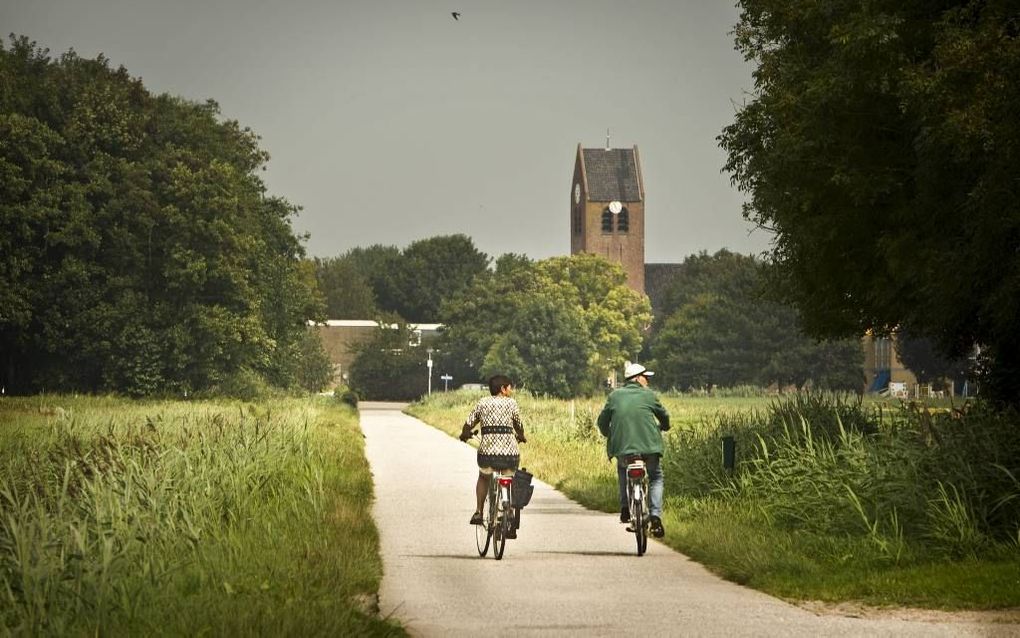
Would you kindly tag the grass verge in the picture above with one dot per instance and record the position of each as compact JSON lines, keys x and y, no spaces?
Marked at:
{"x":134,"y":518}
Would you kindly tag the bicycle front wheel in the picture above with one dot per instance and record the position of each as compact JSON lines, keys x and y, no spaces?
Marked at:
{"x":483,"y":532}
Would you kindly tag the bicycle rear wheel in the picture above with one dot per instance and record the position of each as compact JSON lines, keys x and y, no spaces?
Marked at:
{"x":504,"y":522}
{"x":483,"y":532}
{"x":500,"y":533}
{"x":639,"y":518}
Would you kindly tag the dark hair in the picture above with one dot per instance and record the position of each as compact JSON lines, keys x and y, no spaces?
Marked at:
{"x":497,"y":383}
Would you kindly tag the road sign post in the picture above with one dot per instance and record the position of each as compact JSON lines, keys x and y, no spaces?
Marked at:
{"x":446,"y":381}
{"x":430,"y":371}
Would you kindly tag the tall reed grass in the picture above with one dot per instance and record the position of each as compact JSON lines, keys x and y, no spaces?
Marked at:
{"x":227,"y":518}
{"x":942,"y":480}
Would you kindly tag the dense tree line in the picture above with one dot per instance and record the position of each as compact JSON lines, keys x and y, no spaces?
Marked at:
{"x":558,"y":327}
{"x":139,"y":250}
{"x":882,"y":146}
{"x":412,"y":283}
{"x":717,"y":327}
{"x":561,"y":326}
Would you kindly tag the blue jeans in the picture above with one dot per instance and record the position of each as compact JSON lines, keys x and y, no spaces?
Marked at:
{"x":654,"y":469}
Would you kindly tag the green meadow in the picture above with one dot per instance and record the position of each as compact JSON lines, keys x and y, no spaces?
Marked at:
{"x":832,"y":498}
{"x":123,"y":517}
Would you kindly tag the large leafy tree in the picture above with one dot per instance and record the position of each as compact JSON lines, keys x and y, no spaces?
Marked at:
{"x":377,"y":265}
{"x":545,"y":348}
{"x":475,"y":317}
{"x":490,"y":320}
{"x":387,"y":367}
{"x":411,"y":283}
{"x":138,"y":249}
{"x":719,"y":329}
{"x":881,"y":146}
{"x":614,"y":315}
{"x":346,"y":290}
{"x":723,"y":273}
{"x":433,"y":269}
{"x":925,"y":361}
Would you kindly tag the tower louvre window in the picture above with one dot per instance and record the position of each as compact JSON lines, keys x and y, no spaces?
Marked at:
{"x":607,"y":220}
{"x":623,"y":221}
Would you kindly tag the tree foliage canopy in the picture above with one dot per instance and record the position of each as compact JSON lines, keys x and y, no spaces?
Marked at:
{"x":881,"y":146}
{"x":412,"y":283}
{"x":433,"y":269}
{"x":594,"y":320}
{"x":717,"y":328}
{"x":347,"y":292}
{"x":139,"y":251}
{"x":387,"y":368}
{"x":545,"y":348}
{"x":925,"y":361}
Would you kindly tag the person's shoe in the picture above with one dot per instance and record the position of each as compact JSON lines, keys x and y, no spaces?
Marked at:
{"x":476,"y":518}
{"x":655,"y":527}
{"x":624,"y":515}
{"x":511,"y":533}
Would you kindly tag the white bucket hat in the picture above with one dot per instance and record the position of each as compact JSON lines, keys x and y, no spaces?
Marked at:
{"x":632,"y":370}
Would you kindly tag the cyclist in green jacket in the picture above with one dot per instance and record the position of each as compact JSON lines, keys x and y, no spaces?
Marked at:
{"x":632,"y":422}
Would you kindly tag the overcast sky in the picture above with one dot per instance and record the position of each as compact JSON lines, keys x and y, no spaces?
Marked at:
{"x":390,"y":121}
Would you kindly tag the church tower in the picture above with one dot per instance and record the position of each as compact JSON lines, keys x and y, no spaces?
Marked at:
{"x":607,"y":209}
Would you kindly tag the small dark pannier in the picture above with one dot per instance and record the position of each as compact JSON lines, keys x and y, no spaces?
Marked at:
{"x":522,"y":488}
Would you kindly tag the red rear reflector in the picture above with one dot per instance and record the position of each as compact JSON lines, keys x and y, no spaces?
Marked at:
{"x":505,"y":482}
{"x":635,"y":472}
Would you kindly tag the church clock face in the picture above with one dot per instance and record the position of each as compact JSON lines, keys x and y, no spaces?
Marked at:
{"x":577,"y":193}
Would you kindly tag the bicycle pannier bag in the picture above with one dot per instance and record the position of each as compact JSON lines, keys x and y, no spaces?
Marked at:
{"x":523,"y":488}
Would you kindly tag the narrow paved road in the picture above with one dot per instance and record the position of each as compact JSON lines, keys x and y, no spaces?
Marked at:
{"x":571,"y":572}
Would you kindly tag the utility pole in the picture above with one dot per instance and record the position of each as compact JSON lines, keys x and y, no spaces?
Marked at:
{"x":430,"y":370}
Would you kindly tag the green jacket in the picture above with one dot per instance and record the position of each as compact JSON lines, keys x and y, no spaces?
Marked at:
{"x":631,"y":421}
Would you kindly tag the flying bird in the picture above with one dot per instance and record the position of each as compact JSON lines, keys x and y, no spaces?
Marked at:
{"x":456,"y":15}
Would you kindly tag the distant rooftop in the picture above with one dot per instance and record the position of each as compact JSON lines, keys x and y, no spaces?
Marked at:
{"x":367,"y":323}
{"x":612,"y":175}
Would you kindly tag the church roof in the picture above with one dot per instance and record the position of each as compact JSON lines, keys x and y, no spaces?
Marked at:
{"x":612,"y":174}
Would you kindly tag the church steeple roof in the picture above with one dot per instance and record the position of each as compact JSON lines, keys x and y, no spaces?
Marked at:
{"x":611,"y":174}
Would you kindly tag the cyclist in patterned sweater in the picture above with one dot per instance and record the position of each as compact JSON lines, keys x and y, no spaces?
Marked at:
{"x":501,"y":428}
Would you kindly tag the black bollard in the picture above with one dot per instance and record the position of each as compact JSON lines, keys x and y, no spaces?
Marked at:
{"x":729,"y":453}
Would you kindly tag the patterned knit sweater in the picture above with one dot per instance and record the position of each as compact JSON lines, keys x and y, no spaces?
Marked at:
{"x":500,"y":419}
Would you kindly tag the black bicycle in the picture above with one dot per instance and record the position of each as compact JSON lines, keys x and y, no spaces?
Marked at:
{"x":637,"y":502}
